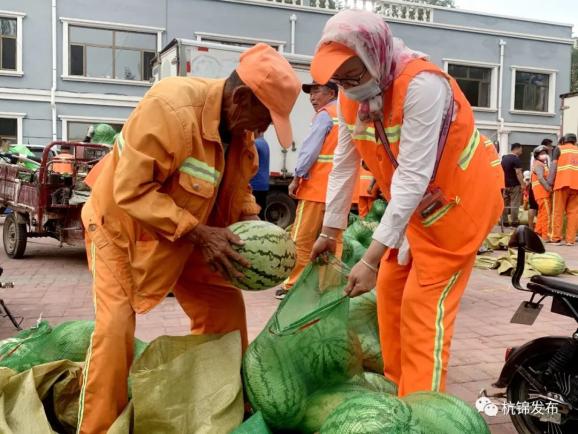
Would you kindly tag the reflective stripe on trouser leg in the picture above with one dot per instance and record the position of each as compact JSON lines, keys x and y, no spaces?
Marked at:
{"x":558,"y":207}
{"x":308,"y":224}
{"x":571,"y":215}
{"x":428,"y":314}
{"x":104,"y":393}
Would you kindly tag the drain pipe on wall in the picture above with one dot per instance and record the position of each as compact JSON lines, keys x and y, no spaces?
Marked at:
{"x":293,"y":19}
{"x":53,"y":88}
{"x":502,"y":134}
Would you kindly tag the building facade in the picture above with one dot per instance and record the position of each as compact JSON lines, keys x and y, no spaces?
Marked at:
{"x":65,"y":64}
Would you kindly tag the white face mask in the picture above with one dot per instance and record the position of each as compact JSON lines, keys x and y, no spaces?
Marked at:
{"x":364,"y":91}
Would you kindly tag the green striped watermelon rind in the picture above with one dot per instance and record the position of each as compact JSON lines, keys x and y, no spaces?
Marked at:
{"x":270,"y":250}
{"x":442,"y":413}
{"x":372,"y":414}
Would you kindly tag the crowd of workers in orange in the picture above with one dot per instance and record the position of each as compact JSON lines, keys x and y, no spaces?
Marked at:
{"x":392,"y":123}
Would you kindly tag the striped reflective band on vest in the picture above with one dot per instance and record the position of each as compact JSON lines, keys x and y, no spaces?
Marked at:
{"x":569,"y":151}
{"x":567,"y":167}
{"x":120,"y":143}
{"x":335,"y":121}
{"x":368,"y":134}
{"x":200,"y":170}
{"x":367,"y":177}
{"x":440,"y":332}
{"x":468,"y":153}
{"x":440,"y":213}
{"x":536,"y":184}
{"x":325,"y":158}
{"x":488,"y":142}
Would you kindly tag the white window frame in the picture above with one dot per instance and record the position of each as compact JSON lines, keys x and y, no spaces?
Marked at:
{"x":493,"y":80}
{"x":65,"y":119}
{"x":551,"y":90}
{"x":18,"y":117}
{"x":19,"y":16}
{"x":66,"y":22}
{"x":223,"y":39}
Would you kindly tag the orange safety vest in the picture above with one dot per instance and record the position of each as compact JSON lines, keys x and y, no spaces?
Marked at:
{"x":539,"y":191}
{"x":63,"y":163}
{"x":315,"y":188}
{"x":469,"y":175}
{"x":365,"y":180}
{"x":567,"y":168}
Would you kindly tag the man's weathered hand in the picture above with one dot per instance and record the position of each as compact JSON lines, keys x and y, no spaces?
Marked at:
{"x":216,"y":248}
{"x":293,"y":188}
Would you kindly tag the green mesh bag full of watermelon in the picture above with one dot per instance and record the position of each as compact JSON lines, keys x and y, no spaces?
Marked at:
{"x":306,"y":346}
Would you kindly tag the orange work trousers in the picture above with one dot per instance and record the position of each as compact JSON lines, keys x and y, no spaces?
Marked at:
{"x":212,"y":304}
{"x":565,"y":202}
{"x":416,"y":324}
{"x":544,"y":219}
{"x":306,"y":229}
{"x":364,"y":205}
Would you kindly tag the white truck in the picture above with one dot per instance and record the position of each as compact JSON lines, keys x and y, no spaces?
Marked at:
{"x":183,"y":57}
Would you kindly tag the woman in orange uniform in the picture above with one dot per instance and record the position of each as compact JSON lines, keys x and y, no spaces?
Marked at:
{"x":414,"y":128}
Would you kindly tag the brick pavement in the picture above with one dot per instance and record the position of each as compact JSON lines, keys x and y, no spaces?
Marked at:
{"x":54,"y":282}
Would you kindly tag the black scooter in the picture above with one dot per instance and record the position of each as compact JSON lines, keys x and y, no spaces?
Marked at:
{"x":541,"y":376}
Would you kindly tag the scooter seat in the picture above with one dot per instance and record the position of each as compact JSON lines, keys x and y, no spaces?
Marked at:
{"x":553,"y":285}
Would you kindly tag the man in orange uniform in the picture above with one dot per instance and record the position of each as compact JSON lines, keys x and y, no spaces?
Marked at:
{"x":309,"y":184}
{"x":413,"y":127}
{"x":542,"y":192}
{"x":564,"y":178}
{"x":177,"y":176}
{"x":367,"y":191}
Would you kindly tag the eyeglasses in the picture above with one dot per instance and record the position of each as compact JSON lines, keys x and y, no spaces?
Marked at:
{"x":348,"y":81}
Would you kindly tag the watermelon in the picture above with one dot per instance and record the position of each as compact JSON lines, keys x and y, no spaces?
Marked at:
{"x":548,"y":264}
{"x":379,"y":383}
{"x":372,"y":414}
{"x":361,"y":231}
{"x":270,"y":251}
{"x":332,"y":355}
{"x":441,"y":413}
{"x":273,"y":384}
{"x":323,"y":402}
{"x":353,"y":252}
{"x":352,"y":219}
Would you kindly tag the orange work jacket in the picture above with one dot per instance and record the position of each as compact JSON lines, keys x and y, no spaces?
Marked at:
{"x":469,"y":176}
{"x":567,"y":168}
{"x":539,"y":191}
{"x":315,"y":187}
{"x":165,"y":175}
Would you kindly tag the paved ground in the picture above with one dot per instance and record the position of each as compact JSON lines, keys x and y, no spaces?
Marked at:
{"x":54,"y":282}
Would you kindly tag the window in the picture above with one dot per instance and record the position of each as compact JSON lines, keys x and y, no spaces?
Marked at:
{"x":8,"y":44}
{"x":532,"y":91}
{"x":475,"y":83}
{"x":238,"y":41}
{"x":76,"y":131}
{"x":111,"y":54}
{"x":8,"y":130}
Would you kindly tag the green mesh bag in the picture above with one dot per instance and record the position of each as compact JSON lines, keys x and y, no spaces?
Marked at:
{"x":353,"y":250}
{"x":375,"y":382}
{"x":372,"y":413}
{"x":104,"y":134}
{"x":441,"y":413}
{"x":44,"y":344}
{"x":254,"y":425}
{"x":363,"y":321}
{"x":305,"y":347}
{"x":377,"y":210}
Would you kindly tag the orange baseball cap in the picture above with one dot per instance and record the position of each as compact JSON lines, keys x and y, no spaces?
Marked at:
{"x":327,"y":59}
{"x":274,"y":83}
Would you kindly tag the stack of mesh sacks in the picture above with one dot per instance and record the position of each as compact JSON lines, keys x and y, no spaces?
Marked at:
{"x":317,"y":367}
